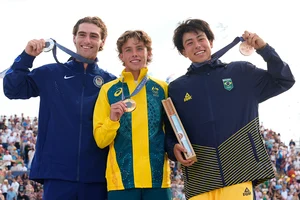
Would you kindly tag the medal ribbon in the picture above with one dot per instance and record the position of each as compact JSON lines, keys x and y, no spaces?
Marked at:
{"x":66,"y":50}
{"x":137,"y":89}
{"x":71,"y":53}
{"x":220,"y":53}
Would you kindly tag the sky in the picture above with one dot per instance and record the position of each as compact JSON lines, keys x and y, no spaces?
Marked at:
{"x":276,"y":22}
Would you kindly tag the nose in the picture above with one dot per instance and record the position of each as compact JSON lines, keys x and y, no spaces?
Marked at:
{"x":198,"y":45}
{"x":134,"y":53}
{"x":87,"y":39}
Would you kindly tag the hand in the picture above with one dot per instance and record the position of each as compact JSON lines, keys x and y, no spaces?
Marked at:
{"x":254,"y":40}
{"x":117,"y":110}
{"x":178,"y":150}
{"x":35,"y":47}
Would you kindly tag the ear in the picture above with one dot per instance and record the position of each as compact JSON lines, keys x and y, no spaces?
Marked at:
{"x":211,"y":44}
{"x":74,"y":39}
{"x":102,"y":44}
{"x":121,"y":56}
{"x":183,"y":53}
{"x":149,"y":55}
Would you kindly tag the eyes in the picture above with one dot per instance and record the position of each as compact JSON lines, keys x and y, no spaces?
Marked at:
{"x":190,"y":42}
{"x":139,"y":49}
{"x":91,"y":35}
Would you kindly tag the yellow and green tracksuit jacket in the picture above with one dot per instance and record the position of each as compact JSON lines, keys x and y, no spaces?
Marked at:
{"x":136,"y":157}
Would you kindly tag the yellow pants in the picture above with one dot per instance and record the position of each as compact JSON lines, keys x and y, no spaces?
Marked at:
{"x":242,"y":191}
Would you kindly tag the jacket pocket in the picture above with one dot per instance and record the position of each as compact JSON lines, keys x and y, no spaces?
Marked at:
{"x":253,"y":146}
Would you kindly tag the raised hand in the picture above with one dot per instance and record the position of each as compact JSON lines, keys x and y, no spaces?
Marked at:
{"x":35,"y":47}
{"x":254,"y":40}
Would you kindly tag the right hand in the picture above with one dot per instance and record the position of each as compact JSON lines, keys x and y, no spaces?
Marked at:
{"x":117,"y":110}
{"x":35,"y":47}
{"x":254,"y":40}
{"x":178,"y":151}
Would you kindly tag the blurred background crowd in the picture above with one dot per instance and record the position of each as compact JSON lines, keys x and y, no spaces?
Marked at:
{"x":18,"y":136}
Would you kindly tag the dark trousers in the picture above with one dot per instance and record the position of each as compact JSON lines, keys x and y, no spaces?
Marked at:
{"x":141,"y":194}
{"x":67,"y":190}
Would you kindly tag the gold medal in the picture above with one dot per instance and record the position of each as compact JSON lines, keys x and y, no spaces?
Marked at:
{"x":246,"y":49}
{"x":130,"y":105}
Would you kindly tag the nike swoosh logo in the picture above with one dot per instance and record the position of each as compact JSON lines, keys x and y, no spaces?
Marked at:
{"x":68,"y":77}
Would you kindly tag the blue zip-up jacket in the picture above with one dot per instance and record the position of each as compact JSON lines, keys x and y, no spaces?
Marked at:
{"x":218,"y":106}
{"x":65,"y":147}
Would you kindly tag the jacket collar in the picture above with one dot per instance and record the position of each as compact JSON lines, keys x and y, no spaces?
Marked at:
{"x":77,"y":67}
{"x":204,"y":66}
{"x":129,"y":77}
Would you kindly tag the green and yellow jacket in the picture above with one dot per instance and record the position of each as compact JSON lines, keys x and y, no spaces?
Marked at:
{"x":136,"y":158}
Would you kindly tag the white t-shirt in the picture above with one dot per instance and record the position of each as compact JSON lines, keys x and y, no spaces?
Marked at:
{"x":15,"y":185}
{"x":4,"y":138}
{"x":4,"y":188}
{"x":284,"y":194}
{"x":7,"y":157}
{"x":11,"y":139}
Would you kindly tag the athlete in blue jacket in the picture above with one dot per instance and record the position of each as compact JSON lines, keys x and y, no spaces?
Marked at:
{"x":67,"y":160}
{"x":218,"y":106}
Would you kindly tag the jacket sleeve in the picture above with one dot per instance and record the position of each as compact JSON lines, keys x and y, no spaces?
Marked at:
{"x":18,"y":82}
{"x":105,"y":130}
{"x":170,"y":138}
{"x":277,"y":79}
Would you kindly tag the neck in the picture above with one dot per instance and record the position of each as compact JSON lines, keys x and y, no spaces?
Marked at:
{"x":85,"y":65}
{"x":136,"y":75}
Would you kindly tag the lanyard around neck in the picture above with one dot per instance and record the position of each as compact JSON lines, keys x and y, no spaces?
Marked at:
{"x":136,"y":90}
{"x":71,"y":53}
{"x":220,"y":53}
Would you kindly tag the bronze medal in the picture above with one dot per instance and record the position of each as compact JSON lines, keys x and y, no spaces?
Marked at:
{"x":246,"y":49}
{"x":130,"y":105}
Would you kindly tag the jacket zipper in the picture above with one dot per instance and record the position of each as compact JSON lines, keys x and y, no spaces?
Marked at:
{"x":208,"y":72}
{"x":80,"y":130}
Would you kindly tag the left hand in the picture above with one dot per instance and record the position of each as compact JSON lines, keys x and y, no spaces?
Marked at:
{"x":178,"y":150}
{"x":254,"y":40}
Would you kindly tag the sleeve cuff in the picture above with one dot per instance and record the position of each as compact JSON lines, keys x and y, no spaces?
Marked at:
{"x":24,"y":59}
{"x":266,"y":52}
{"x":112,"y":124}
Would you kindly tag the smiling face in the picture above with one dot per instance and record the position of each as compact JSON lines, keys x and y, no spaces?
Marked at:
{"x":88,"y":40}
{"x":134,"y":55}
{"x":196,"y":46}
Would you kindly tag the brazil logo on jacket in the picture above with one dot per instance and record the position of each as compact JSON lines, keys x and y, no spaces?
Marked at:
{"x":228,"y":84}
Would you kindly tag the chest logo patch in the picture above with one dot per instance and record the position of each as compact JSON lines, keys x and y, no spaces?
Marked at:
{"x":98,"y":81}
{"x":228,"y":84}
{"x":118,"y":92}
{"x":187,"y":97}
{"x":155,"y":91}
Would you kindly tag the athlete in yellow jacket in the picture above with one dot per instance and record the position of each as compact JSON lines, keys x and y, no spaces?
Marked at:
{"x":137,"y":165}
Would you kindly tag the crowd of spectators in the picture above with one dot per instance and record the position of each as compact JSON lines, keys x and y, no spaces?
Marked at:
{"x":286,"y":163}
{"x":17,"y":146}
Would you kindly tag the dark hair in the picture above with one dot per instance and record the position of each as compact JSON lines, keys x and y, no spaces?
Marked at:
{"x":191,"y":25}
{"x":140,"y":36}
{"x":92,"y":20}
